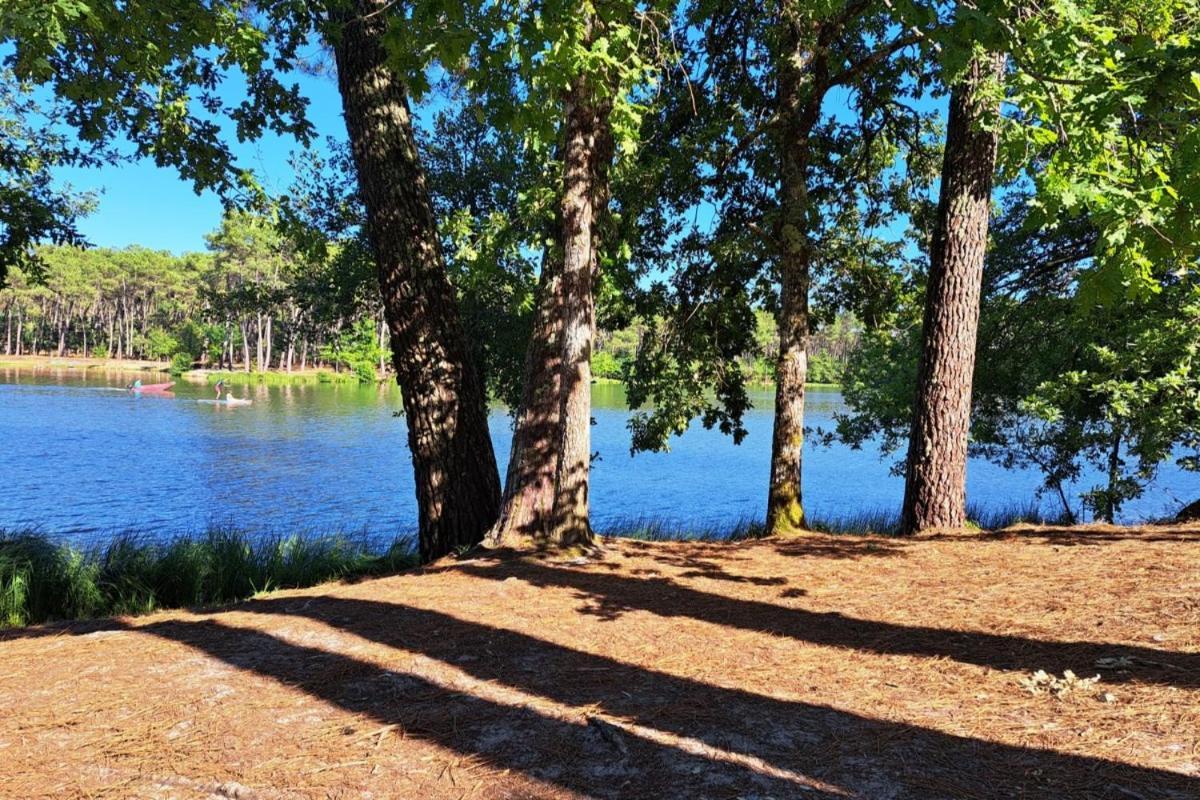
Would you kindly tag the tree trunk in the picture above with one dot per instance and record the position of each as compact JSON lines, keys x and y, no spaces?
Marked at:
{"x":586,"y":153}
{"x":245,"y":345}
{"x":1114,"y":477}
{"x":269,"y":336}
{"x":800,"y":94}
{"x":64,"y":325}
{"x":533,"y":461}
{"x":935,"y":494}
{"x":458,"y":486}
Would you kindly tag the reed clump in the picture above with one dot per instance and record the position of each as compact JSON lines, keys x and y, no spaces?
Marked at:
{"x":42,"y":579}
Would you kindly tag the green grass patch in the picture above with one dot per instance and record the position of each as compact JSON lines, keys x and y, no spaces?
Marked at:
{"x":281,"y":378}
{"x":42,"y":580}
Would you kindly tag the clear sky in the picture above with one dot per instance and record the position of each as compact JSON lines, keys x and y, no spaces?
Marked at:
{"x":141,"y":203}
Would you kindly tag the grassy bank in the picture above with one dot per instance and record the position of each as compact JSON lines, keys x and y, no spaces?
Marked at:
{"x":41,"y":579}
{"x":79,"y":363}
{"x":237,"y":378}
{"x":882,"y":522}
{"x":305,"y":377}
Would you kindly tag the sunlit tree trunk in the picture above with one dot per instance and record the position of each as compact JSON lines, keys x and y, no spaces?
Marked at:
{"x":458,"y":486}
{"x":569,"y":522}
{"x":936,"y":469}
{"x":800,"y":94}
{"x":245,"y":329}
{"x":533,"y":460}
{"x":546,"y":491}
{"x":270,"y":337}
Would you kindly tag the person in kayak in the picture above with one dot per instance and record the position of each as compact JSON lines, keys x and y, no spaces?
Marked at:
{"x":134,"y":386}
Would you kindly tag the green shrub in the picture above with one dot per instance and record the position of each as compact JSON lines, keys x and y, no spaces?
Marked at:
{"x":100,"y":351}
{"x":605,"y":365}
{"x":180,"y":363}
{"x":157,"y":344}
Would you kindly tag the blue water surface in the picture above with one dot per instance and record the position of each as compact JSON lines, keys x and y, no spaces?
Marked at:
{"x":80,"y":458}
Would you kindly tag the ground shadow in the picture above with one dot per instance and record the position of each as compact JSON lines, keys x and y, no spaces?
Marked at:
{"x":1076,"y":535}
{"x":610,"y":595}
{"x":846,"y":752}
{"x":587,"y":756}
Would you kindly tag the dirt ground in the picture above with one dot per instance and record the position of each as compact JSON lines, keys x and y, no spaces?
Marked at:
{"x":826,"y":667}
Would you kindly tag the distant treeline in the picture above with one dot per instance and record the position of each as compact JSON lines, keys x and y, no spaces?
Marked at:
{"x":252,"y":303}
{"x":249,"y":303}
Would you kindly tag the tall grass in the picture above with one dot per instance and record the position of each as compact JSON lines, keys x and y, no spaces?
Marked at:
{"x":886,"y":522}
{"x":654,"y":529}
{"x":879,"y":521}
{"x":41,"y":579}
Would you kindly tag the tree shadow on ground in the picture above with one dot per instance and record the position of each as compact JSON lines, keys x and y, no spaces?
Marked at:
{"x":724,"y":741}
{"x":603,"y":727}
{"x":609,"y":595}
{"x":711,"y":560}
{"x":1081,"y":535}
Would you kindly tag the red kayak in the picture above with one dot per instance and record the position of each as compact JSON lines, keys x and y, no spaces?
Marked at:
{"x":153,"y":388}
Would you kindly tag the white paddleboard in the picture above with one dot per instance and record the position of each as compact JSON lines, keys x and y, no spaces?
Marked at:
{"x":232,"y":401}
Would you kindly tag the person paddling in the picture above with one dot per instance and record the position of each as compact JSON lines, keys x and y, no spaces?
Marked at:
{"x":134,"y":386}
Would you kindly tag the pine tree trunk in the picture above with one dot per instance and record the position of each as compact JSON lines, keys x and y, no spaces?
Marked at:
{"x":458,"y":486}
{"x":587,"y":151}
{"x":533,"y":460}
{"x":936,"y":473}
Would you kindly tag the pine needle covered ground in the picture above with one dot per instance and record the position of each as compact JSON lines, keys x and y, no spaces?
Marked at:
{"x":820,"y":668}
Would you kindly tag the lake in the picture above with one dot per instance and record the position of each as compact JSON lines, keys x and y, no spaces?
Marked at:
{"x":82,"y":459}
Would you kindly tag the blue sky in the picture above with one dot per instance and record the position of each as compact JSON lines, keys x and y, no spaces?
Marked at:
{"x":140,"y":203}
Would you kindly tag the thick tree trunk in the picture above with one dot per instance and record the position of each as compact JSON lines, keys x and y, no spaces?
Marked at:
{"x":800,"y":94}
{"x":533,"y":461}
{"x":458,"y":486}
{"x":936,"y":474}
{"x":586,"y":152}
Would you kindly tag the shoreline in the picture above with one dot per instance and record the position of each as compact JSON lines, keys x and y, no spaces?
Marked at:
{"x":269,"y":377}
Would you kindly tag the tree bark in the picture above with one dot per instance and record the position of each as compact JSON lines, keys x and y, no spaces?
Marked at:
{"x":547,"y":484}
{"x":533,"y":460}
{"x":458,"y":486}
{"x":245,"y":346}
{"x":586,"y":153}
{"x":801,"y":91}
{"x":935,"y":494}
